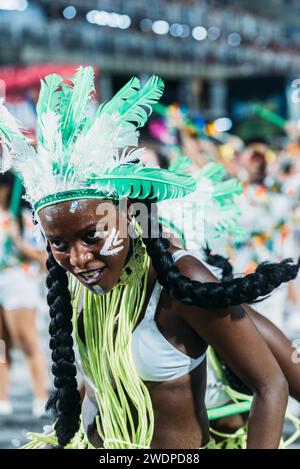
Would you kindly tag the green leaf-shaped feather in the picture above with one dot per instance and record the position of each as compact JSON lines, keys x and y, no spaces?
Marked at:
{"x":114,"y":105}
{"x":49,"y":98}
{"x":213,"y":171}
{"x":65,"y":97}
{"x":137,"y":181}
{"x":180,"y":164}
{"x":75,"y":114}
{"x":139,"y":107}
{"x":227,"y":190}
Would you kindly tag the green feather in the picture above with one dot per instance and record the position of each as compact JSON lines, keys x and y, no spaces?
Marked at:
{"x":139,"y":107}
{"x":74,"y":116}
{"x":213,"y":171}
{"x":137,"y":181}
{"x":226,"y":190}
{"x":65,"y":97}
{"x":128,"y":90}
{"x":231,"y":224}
{"x":180,"y":164}
{"x":49,"y":97}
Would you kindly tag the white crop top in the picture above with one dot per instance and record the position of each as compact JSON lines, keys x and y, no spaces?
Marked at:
{"x":154,"y":357}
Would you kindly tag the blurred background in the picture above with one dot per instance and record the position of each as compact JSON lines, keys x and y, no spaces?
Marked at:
{"x":232,"y":81}
{"x":216,"y":57}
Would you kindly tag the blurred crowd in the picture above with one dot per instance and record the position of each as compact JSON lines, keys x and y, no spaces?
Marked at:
{"x":169,"y":30}
{"x":269,"y":211}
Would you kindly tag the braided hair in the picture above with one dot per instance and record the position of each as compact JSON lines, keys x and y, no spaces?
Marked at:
{"x":65,"y":401}
{"x":247,"y":289}
{"x":219,"y":261}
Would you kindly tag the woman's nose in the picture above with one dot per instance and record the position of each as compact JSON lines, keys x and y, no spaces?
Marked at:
{"x":80,"y":257}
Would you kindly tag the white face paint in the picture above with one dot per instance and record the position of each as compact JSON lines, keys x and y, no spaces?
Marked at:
{"x":48,"y":217}
{"x":112,"y":244}
{"x":74,"y":206}
{"x":97,"y":290}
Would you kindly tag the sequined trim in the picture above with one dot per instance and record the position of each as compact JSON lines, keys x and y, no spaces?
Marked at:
{"x":65,"y":196}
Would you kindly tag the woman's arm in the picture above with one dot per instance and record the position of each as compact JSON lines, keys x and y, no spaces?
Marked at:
{"x":282,"y":348}
{"x":234,"y":336}
{"x":33,"y":254}
{"x":25,"y":249}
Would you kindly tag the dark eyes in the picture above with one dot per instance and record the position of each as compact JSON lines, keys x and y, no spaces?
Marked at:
{"x":59,"y":245}
{"x":91,"y":237}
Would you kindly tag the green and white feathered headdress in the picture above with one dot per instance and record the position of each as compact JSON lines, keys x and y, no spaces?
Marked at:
{"x":216,"y":197}
{"x":84,"y":156}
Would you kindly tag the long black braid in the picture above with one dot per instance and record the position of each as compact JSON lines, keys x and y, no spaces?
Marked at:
{"x":219,"y":261}
{"x":210,"y":294}
{"x":247,"y":289}
{"x":65,"y":401}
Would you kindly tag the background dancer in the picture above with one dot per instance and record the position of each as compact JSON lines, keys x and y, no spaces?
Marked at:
{"x":21,"y":260}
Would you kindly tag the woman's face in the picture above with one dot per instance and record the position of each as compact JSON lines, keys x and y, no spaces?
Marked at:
{"x":88,"y":238}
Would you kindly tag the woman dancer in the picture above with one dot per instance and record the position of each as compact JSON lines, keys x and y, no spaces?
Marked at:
{"x":144,"y":311}
{"x":20,"y":267}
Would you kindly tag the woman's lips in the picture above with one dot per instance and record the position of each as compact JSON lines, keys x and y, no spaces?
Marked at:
{"x":91,"y":278}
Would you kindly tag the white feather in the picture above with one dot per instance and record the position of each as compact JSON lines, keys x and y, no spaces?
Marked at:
{"x":50,"y":129}
{"x":15,"y":145}
{"x":126,"y":157}
{"x":9,"y":123}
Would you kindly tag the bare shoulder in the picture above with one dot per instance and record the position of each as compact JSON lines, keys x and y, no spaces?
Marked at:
{"x":192,"y":267}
